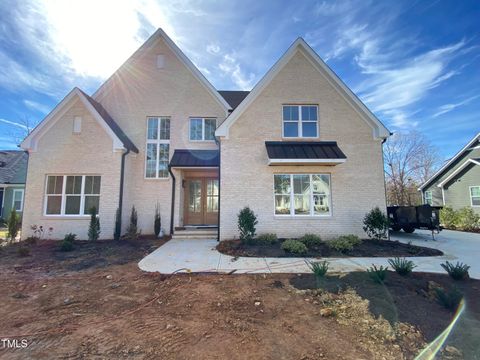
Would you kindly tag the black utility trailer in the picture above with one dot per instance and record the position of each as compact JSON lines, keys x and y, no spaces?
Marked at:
{"x":410,"y":218}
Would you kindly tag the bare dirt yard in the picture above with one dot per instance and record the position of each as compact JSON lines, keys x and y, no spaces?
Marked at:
{"x":94,"y":303}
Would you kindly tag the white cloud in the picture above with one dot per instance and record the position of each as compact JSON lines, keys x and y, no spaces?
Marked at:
{"x":450,"y":107}
{"x":36,"y":106}
{"x":230,"y":66}
{"x":213,"y":49}
{"x":14,"y":124}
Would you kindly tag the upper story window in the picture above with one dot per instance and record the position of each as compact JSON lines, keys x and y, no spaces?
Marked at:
{"x":428,"y":197}
{"x":158,"y":147}
{"x":300,"y":121}
{"x":202,"y":129}
{"x":475,"y":195}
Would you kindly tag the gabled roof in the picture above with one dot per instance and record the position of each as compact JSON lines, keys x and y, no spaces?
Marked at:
{"x":13,"y":166}
{"x":183,"y":59}
{"x":457,"y":170}
{"x":449,"y":162}
{"x":379,"y":130}
{"x":120,"y":140}
{"x":234,"y":97}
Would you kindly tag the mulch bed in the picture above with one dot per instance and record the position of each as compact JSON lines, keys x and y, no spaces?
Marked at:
{"x":368,"y":248}
{"x":411,"y":299}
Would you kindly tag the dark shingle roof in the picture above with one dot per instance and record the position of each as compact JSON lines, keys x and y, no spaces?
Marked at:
{"x":233,"y":97}
{"x":304,"y":150}
{"x":195,"y":158}
{"x":13,"y":166}
{"x":112,"y":124}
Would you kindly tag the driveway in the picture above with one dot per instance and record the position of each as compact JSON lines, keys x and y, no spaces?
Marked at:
{"x":201,"y":256}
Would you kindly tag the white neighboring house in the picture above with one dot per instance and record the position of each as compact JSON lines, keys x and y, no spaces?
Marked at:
{"x":300,"y":149}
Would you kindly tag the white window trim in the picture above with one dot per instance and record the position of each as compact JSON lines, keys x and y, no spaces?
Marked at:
{"x":203,"y":129}
{"x":300,"y":121}
{"x":13,"y":198}
{"x":471,"y":197}
{"x":425,"y":197}
{"x":156,"y":141}
{"x":292,"y":198}
{"x":64,"y":197}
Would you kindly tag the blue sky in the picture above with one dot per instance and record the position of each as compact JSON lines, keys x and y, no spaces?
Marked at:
{"x":416,"y":64}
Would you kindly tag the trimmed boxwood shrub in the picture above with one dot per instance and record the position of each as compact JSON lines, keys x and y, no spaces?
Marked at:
{"x":294,"y":247}
{"x":265,"y":239}
{"x":310,"y":240}
{"x":344,"y":243}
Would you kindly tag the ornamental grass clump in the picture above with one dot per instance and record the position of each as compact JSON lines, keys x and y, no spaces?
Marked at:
{"x":377,"y":274}
{"x":459,"y":271}
{"x":402,"y":266}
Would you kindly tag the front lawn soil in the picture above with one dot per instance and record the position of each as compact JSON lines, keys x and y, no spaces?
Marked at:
{"x":368,"y":248}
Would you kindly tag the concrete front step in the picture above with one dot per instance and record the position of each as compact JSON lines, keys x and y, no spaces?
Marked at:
{"x":196,"y":234}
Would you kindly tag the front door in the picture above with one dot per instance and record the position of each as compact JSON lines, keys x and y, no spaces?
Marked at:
{"x":201,"y":201}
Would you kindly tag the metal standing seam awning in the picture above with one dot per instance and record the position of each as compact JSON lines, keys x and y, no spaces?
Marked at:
{"x":304,"y":153}
{"x":184,"y":158}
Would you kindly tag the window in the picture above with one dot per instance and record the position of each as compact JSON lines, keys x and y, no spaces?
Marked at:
{"x":475,"y":195}
{"x":77,"y":124}
{"x":72,"y":194}
{"x":202,"y":129}
{"x":428,"y":197}
{"x":300,"y":121}
{"x":302,"y":194}
{"x":158,"y":147}
{"x":17,"y":199}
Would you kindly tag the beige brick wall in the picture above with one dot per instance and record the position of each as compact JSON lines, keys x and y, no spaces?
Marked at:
{"x":246,"y":179}
{"x":62,"y":152}
{"x":141,"y":90}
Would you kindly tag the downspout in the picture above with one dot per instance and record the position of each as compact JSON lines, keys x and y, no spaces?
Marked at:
{"x":120,"y":197}
{"x":219,"y":186}
{"x":385,"y":182}
{"x":172,"y":211}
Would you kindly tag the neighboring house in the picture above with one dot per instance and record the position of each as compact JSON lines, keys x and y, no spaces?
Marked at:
{"x":457,"y":183}
{"x":300,"y":149}
{"x":13,"y":170}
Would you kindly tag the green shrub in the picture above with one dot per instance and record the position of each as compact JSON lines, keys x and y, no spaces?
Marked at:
{"x":23,"y":251}
{"x":310,"y":240}
{"x":246,"y":224}
{"x":31,"y":240}
{"x":94,"y":226}
{"x":375,"y":224}
{"x":70,"y":237}
{"x":157,"y":221}
{"x":448,"y":217}
{"x":67,"y":243}
{"x":132,"y":229}
{"x":402,"y":266}
{"x":377,"y":274}
{"x":117,"y":232}
{"x":13,"y":225}
{"x":294,"y":247}
{"x":467,"y":219}
{"x":459,"y":271}
{"x":319,"y":268}
{"x":265,"y":239}
{"x":344,"y":243}
{"x":450,"y":299}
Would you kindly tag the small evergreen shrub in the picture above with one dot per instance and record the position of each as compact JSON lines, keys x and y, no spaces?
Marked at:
{"x":246,"y":224}
{"x":459,"y":271}
{"x":67,"y":242}
{"x":375,"y":224}
{"x":157,"y":221}
{"x":344,"y":243}
{"x":23,"y":251}
{"x":310,"y":240}
{"x":377,"y":274}
{"x":94,"y":226}
{"x":449,"y":299}
{"x":266,"y":239}
{"x":401,"y":265}
{"x":117,"y":232}
{"x":319,"y":268}
{"x":132,"y":230}
{"x":294,"y":247}
{"x":13,"y":225}
{"x":448,"y":217}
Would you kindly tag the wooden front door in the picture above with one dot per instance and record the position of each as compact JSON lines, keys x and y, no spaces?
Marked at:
{"x":201,"y":201}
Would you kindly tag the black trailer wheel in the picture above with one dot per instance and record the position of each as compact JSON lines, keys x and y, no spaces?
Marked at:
{"x":396,"y":227}
{"x":408,"y":229}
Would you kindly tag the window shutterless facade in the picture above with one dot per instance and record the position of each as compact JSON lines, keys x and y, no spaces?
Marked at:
{"x":202,"y":129}
{"x":302,"y":194}
{"x":428,"y":197}
{"x":475,"y":195}
{"x":300,"y":121}
{"x":17,"y":201}
{"x":72,"y":195}
{"x":158,"y":147}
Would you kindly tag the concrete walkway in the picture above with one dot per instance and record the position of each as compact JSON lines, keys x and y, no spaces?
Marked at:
{"x":201,"y":256}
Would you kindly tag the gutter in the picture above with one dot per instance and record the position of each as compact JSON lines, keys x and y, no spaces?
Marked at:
{"x":172,"y":211}
{"x":120,"y":197}
{"x":219,"y":186}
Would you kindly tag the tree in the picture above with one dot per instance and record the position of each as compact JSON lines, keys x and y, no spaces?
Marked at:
{"x":409,"y":159}
{"x":13,"y":225}
{"x":94,"y":227}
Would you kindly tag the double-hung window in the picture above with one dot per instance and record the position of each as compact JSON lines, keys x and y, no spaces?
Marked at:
{"x":17,"y":201}
{"x":428,"y":197}
{"x":72,"y":194}
{"x":302,"y":194}
{"x":158,"y":147}
{"x":300,"y":121}
{"x":202,"y":129}
{"x":475,"y":195}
